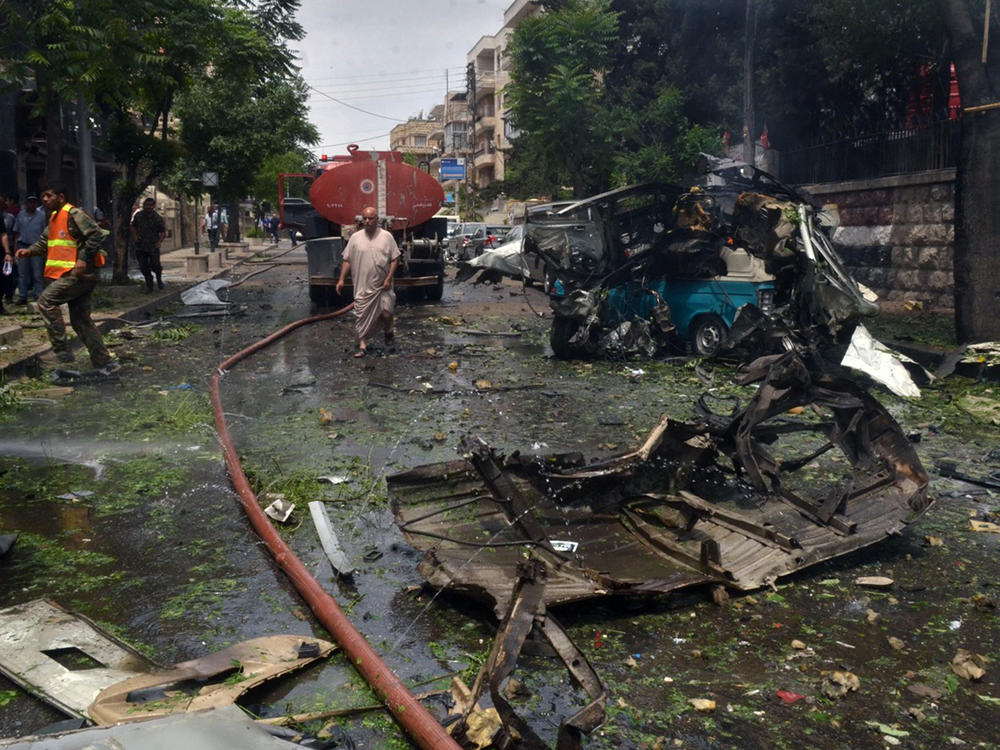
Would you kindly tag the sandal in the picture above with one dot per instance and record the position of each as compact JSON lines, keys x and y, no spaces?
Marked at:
{"x":360,"y":353}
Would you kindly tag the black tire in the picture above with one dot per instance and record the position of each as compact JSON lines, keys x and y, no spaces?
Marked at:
{"x":436,"y":292}
{"x":709,"y":335}
{"x":560,"y":334}
{"x":326,"y":296}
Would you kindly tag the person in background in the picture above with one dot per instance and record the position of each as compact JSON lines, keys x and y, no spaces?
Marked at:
{"x":148,"y":231}
{"x":28,"y":227}
{"x":71,"y":244}
{"x":8,"y":274}
{"x":213,"y":224}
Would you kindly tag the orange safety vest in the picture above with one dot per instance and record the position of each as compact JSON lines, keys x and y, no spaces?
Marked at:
{"x":62,"y":247}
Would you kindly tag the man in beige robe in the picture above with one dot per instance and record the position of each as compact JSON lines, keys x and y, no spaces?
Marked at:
{"x":371,"y":257}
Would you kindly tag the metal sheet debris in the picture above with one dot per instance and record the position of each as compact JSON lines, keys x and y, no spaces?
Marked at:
{"x":205,"y":293}
{"x":327,"y":537}
{"x":67,"y":661}
{"x":215,"y":680}
{"x":811,"y":468}
{"x":730,"y":499}
{"x":226,"y":727}
{"x":61,"y":657}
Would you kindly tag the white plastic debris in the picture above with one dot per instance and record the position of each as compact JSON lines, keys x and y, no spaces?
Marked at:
{"x":877,"y":360}
{"x":205,"y":293}
{"x":280,"y":510}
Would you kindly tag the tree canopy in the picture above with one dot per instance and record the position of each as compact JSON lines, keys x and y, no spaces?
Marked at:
{"x":626,"y":90}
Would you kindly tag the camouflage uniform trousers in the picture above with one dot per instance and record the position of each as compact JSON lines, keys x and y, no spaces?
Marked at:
{"x":76,"y":293}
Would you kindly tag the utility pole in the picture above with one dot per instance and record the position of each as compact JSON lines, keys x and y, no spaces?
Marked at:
{"x":748,"y":65}
{"x":88,"y":179}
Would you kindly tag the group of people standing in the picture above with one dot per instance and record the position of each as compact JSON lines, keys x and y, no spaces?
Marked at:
{"x":64,"y":246}
{"x":22,"y":226}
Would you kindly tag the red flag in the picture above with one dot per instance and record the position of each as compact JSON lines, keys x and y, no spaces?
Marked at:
{"x":763,"y":138}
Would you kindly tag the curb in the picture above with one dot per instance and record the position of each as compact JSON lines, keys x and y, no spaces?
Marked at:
{"x":30,"y":364}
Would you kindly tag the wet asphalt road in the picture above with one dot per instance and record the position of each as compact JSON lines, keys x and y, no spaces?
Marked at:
{"x":164,"y":557}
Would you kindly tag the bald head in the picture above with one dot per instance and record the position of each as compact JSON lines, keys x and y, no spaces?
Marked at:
{"x":369,"y":220}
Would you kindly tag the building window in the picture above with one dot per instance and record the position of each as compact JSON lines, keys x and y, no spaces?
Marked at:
{"x":420,"y":140}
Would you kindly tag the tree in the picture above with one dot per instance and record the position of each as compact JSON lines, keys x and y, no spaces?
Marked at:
{"x":127,"y":59}
{"x":556,"y":91}
{"x":249,"y":106}
{"x":264,"y":187}
{"x":977,"y":221}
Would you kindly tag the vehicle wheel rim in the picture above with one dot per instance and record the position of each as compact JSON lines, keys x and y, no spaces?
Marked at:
{"x":709,"y":338}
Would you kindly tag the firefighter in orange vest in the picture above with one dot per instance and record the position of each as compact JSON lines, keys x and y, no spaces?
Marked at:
{"x":72,"y":246}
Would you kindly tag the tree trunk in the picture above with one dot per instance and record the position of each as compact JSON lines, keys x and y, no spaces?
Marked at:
{"x":53,"y":133}
{"x":977,"y":221}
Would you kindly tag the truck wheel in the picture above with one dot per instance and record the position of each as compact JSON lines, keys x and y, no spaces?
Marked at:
{"x":562,"y":331}
{"x":436,"y":292}
{"x":325,"y":296}
{"x":709,"y":335}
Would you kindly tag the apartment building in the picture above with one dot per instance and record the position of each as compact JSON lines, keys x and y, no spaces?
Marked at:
{"x":474,"y":125}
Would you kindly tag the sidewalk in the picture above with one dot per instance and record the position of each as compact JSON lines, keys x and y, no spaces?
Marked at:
{"x":22,"y":334}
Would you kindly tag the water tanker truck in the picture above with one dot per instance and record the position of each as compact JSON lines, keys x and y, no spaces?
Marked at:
{"x":406,"y":199}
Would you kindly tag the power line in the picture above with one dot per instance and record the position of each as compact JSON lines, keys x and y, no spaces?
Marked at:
{"x":353,"y":140}
{"x":393,"y":86}
{"x":394,"y":94}
{"x":351,"y":106}
{"x":366,"y":77}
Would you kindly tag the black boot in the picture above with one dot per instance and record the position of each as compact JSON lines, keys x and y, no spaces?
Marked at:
{"x":159,"y":281}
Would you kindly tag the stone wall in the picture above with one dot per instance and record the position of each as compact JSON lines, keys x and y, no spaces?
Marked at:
{"x":897,"y":234}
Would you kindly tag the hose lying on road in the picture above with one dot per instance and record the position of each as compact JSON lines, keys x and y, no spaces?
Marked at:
{"x":405,"y":709}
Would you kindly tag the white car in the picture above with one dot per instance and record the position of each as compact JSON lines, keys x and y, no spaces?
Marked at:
{"x":509,"y":259}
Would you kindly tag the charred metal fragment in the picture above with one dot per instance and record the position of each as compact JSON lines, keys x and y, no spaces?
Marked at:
{"x":810,"y":469}
{"x":525,"y":617}
{"x":723,"y":499}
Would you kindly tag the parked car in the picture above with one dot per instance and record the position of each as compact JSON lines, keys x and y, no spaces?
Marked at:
{"x":508,"y":258}
{"x":461,"y":244}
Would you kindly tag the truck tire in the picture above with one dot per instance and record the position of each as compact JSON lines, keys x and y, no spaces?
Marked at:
{"x":562,"y":331}
{"x":323,"y":295}
{"x":709,"y":335}
{"x":436,"y":292}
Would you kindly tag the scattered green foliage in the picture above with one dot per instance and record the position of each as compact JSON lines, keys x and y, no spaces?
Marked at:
{"x":7,"y":696}
{"x":174,"y":334}
{"x":176,"y":411}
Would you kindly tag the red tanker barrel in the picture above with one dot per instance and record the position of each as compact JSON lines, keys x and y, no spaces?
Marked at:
{"x":380,"y":179}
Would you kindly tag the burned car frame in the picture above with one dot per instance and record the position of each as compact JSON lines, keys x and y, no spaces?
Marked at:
{"x":738,"y":257}
{"x":726,"y":501}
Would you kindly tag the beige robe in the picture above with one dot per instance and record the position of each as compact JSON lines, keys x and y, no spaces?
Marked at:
{"x":370,"y":260}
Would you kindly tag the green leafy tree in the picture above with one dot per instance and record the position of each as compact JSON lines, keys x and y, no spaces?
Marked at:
{"x":127,"y":59}
{"x":249,"y":106}
{"x":265,"y":179}
{"x":556,"y":94}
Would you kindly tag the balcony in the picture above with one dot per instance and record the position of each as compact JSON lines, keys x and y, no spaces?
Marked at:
{"x":485,"y":122}
{"x":484,"y":158}
{"x":486,"y":82}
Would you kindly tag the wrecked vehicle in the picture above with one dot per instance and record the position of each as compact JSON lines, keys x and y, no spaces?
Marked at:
{"x":812,"y":468}
{"x":738,"y":258}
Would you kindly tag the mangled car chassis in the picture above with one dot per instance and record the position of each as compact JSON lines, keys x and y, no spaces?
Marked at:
{"x":739,"y":258}
{"x":727,"y":501}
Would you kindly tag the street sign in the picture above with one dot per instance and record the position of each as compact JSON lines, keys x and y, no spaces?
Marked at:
{"x":210,"y":179}
{"x":452,"y":169}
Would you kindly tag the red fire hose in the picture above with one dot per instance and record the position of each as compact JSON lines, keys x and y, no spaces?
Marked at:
{"x":423,"y":728}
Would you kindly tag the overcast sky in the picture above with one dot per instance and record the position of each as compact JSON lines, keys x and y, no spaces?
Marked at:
{"x":390,"y":58}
